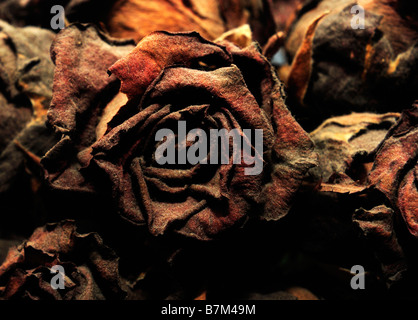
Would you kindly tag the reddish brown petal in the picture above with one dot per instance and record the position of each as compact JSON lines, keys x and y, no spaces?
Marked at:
{"x":82,"y":88}
{"x":82,"y":55}
{"x":161,"y":50}
{"x":294,"y":154}
{"x":395,"y":167}
{"x":300,"y":72}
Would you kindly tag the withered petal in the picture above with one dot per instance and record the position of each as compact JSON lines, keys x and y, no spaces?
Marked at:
{"x":160,"y":50}
{"x":82,"y":55}
{"x":346,"y":144}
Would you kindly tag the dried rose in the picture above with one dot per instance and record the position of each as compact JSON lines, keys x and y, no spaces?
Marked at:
{"x":90,"y":268}
{"x":336,"y":69}
{"x":395,"y":169}
{"x":182,"y":77}
{"x":390,"y":226}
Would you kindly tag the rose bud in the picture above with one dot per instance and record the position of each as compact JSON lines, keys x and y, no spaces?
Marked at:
{"x":351,"y":58}
{"x":175,"y":82}
{"x":88,"y":270}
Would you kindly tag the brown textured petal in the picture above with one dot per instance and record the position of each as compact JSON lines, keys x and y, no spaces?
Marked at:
{"x":346,"y":144}
{"x":160,"y":50}
{"x":82,"y":55}
{"x":301,"y":68}
{"x":241,"y":36}
{"x":82,"y":88}
{"x":294,"y":153}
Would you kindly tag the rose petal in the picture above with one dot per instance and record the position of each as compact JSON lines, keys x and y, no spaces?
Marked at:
{"x":82,"y":54}
{"x":161,"y":50}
